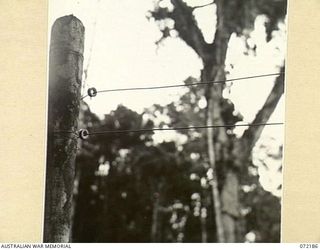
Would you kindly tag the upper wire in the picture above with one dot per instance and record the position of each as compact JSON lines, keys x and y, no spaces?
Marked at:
{"x":185,"y":85}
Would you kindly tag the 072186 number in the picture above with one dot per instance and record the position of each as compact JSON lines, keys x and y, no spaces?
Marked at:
{"x":309,"y":246}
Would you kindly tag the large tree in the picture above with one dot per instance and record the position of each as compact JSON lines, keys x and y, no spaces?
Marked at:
{"x":226,"y":153}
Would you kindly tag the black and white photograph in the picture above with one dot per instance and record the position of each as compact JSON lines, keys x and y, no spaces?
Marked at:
{"x":165,"y":121}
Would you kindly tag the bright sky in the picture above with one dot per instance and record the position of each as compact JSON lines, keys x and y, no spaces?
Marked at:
{"x":124,"y":55}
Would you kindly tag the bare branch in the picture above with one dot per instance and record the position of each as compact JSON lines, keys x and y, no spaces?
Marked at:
{"x":201,"y":6}
{"x":252,"y":134}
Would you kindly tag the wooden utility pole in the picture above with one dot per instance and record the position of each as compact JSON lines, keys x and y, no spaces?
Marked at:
{"x":65,"y":73}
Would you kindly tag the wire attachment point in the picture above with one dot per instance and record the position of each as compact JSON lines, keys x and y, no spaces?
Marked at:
{"x":92,"y":92}
{"x":83,"y":134}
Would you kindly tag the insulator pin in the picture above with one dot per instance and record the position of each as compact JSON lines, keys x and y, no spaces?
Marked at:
{"x":83,"y":134}
{"x":92,"y":92}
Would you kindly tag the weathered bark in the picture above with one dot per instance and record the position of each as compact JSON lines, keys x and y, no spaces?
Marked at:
{"x":65,"y":73}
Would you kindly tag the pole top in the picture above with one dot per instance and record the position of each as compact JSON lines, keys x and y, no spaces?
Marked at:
{"x":68,"y":33}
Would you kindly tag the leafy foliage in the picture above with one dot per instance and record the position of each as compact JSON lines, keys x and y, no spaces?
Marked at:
{"x":120,"y":176}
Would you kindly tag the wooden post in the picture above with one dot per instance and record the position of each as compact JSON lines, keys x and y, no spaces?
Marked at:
{"x":65,"y":73}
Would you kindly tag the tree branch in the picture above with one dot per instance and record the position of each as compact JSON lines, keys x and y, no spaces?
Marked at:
{"x":252,"y":134}
{"x":185,"y":24}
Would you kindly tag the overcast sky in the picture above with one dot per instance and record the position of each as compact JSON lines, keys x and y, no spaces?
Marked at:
{"x":120,"y":44}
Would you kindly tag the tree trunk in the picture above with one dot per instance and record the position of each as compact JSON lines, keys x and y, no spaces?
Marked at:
{"x":214,"y":181}
{"x":214,"y":70}
{"x":65,"y":73}
{"x":220,"y":141}
{"x":155,"y":237}
{"x":155,"y":219}
{"x":230,"y":205}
